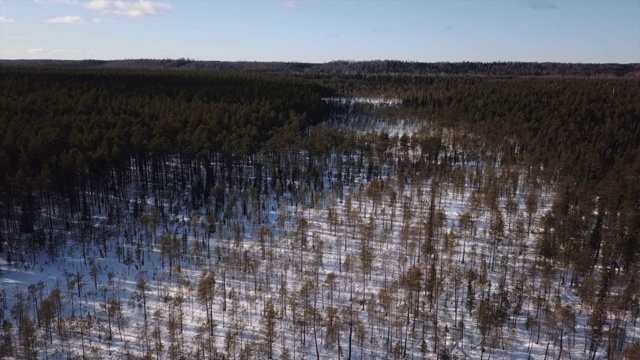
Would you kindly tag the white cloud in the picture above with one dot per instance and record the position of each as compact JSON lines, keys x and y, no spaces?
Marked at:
{"x":97,"y":21}
{"x":4,"y":20}
{"x":34,"y":51}
{"x":132,"y":9}
{"x":100,"y":5}
{"x":69,"y":20}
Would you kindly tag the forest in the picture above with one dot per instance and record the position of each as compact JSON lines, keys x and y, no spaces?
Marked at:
{"x":366,"y":210}
{"x":346,"y":67}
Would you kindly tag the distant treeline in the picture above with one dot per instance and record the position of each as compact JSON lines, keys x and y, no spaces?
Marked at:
{"x":376,"y":67}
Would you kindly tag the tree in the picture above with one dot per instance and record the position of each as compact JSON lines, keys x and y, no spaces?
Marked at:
{"x":205,"y":293}
{"x":331,"y":283}
{"x":169,"y":247}
{"x":269,"y":315}
{"x":412,"y":281}
{"x":156,"y":333}
{"x":141,"y":293}
{"x":26,"y":327}
{"x":532,"y":207}
{"x":6,"y":345}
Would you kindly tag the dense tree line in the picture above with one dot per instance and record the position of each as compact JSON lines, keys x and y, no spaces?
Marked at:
{"x":344,"y":67}
{"x":583,"y":133}
{"x":69,"y":130}
{"x":318,"y":217}
{"x":71,"y":138}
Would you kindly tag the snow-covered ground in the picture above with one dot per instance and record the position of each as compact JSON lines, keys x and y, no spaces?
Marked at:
{"x":364,"y":100}
{"x":391,"y":267}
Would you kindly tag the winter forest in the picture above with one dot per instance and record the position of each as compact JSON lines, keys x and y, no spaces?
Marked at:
{"x":240,"y":214}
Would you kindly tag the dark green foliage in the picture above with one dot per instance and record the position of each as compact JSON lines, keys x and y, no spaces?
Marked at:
{"x":147,"y":150}
{"x":581,"y":133}
{"x":64,"y":130}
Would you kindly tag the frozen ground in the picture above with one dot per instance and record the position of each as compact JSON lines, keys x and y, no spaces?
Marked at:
{"x":335,"y":262}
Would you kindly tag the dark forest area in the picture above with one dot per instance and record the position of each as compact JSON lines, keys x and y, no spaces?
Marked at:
{"x":344,"y":67}
{"x":112,"y":159}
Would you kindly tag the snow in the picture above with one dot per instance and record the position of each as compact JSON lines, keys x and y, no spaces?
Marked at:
{"x":393,"y":230}
{"x":363,"y":100}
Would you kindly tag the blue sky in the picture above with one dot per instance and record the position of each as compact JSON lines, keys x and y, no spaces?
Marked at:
{"x":323,"y":30}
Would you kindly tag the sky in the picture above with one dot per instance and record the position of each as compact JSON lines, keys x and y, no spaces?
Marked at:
{"x":317,"y":31}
